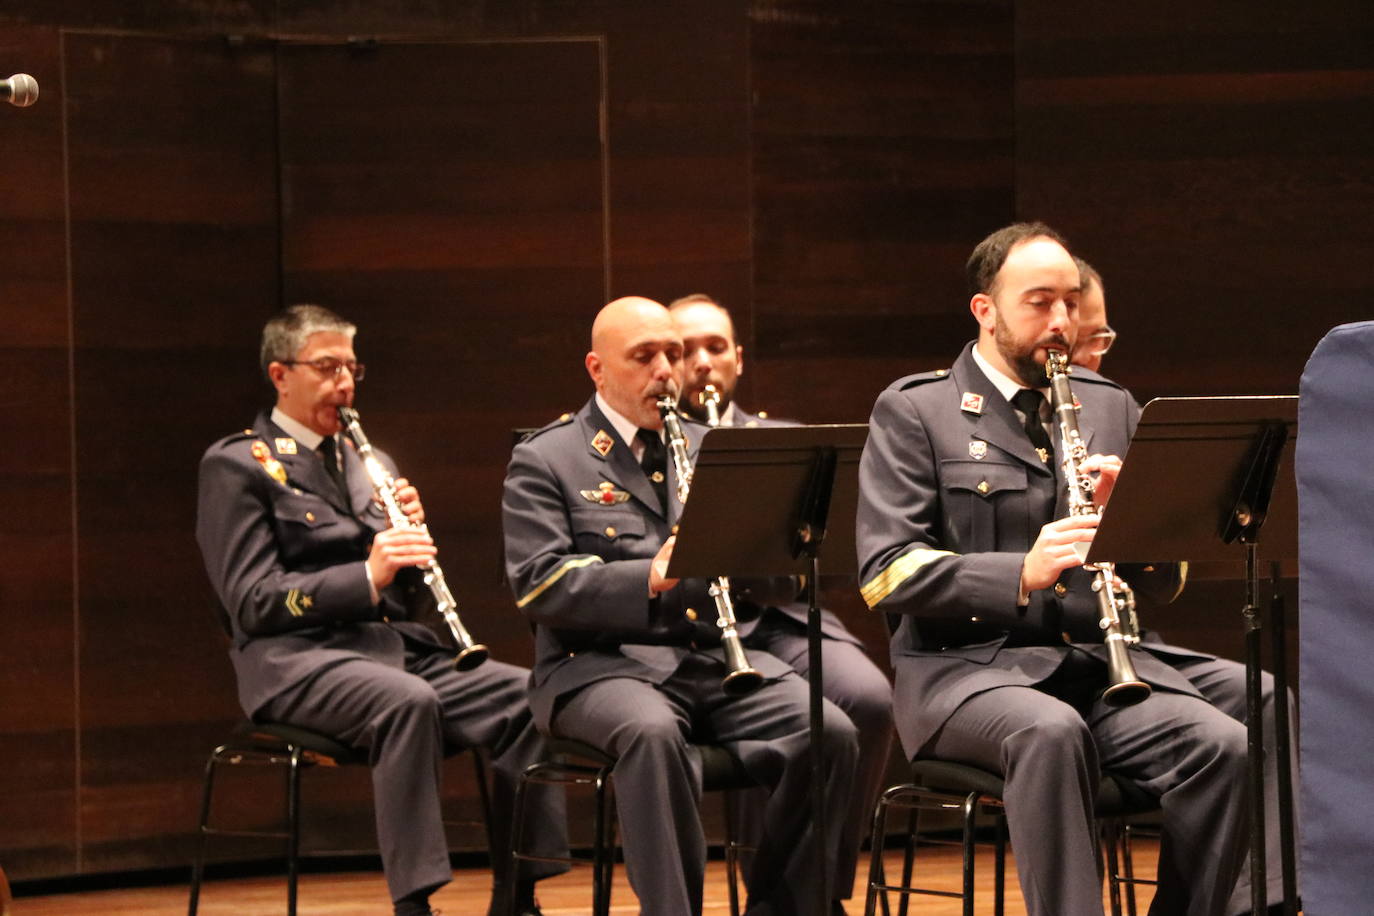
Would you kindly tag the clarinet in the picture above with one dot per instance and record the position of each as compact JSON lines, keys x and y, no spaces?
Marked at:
{"x":743,"y":677}
{"x":1115,"y":603}
{"x":470,"y":652}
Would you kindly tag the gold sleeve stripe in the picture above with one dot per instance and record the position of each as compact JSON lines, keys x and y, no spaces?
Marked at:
{"x":576,"y":563}
{"x":903,"y":568}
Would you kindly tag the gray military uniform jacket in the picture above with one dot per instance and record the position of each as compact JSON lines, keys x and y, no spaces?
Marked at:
{"x":285,"y":552}
{"x":952,"y":496}
{"x":582,"y":523}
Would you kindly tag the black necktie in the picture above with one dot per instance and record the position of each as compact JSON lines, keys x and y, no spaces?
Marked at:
{"x":1028,"y":401}
{"x":331,"y":465}
{"x":654,"y":461}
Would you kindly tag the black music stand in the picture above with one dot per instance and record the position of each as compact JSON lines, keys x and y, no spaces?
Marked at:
{"x":1200,"y":477}
{"x":759,"y":506}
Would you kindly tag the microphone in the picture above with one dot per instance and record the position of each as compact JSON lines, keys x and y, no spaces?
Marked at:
{"x":20,"y":89}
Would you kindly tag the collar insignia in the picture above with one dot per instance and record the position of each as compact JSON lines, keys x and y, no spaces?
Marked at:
{"x":972,"y":403}
{"x":269,"y":464}
{"x":605,"y":495}
{"x":286,"y":446}
{"x":977,"y":449}
{"x":1044,"y":455}
{"x":603,"y":442}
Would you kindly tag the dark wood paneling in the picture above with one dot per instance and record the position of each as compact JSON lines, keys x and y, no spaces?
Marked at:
{"x":1214,"y":162}
{"x":451,"y":204}
{"x":38,"y":673}
{"x":174,"y":251}
{"x":883,"y":150}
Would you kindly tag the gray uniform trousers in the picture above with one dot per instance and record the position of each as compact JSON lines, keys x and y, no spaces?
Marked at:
{"x":1222,"y":682}
{"x":1057,"y":735}
{"x":649,"y":727}
{"x":859,"y":688}
{"x":407,"y":719}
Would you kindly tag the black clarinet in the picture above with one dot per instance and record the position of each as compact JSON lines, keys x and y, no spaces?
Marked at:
{"x":743,"y":677}
{"x":1115,"y":603}
{"x":470,"y":652}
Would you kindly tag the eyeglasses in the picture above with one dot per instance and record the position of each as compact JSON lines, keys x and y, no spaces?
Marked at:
{"x":328,"y":365}
{"x":1101,"y":341}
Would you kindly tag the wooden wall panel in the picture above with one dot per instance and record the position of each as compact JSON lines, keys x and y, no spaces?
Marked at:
{"x":433,"y":216}
{"x":174,"y":251}
{"x":1216,"y":160}
{"x":38,"y":673}
{"x":883,"y":150}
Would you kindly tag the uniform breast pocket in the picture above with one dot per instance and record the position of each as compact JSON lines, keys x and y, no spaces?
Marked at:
{"x":984,"y":498}
{"x":305,"y":524}
{"x":611,"y":534}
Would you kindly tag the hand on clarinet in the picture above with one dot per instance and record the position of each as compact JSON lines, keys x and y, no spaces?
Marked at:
{"x":409,"y":499}
{"x":1053,"y":551}
{"x":658,"y":569}
{"x":396,"y":549}
{"x":1107,"y":468}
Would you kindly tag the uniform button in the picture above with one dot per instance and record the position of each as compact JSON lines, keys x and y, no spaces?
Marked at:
{"x":310,"y":516}
{"x":983,"y":487}
{"x":941,"y":372}
{"x":690,"y":614}
{"x":675,"y":529}
{"x":386,"y":619}
{"x":973,"y":620}
{"x":296,"y":490}
{"x":610,"y":531}
{"x":1061,"y":589}
{"x":1066,"y":637}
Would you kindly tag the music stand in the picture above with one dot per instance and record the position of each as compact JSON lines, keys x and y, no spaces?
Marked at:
{"x":1200,"y":478}
{"x":759,"y":506}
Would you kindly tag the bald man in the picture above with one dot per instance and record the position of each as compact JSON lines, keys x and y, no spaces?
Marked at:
{"x":630,"y":661}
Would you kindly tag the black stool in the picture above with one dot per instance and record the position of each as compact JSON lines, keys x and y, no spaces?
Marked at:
{"x":938,"y":785}
{"x":274,"y":744}
{"x":720,"y":771}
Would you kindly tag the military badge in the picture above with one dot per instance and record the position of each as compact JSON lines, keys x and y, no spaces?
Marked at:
{"x":269,"y":464}
{"x":972,"y":403}
{"x":1043,"y":453}
{"x":286,"y":446}
{"x":602,"y":442}
{"x":657,"y":477}
{"x":977,"y":449}
{"x":606,"y":495}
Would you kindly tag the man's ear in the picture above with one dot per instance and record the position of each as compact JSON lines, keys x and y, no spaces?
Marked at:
{"x":984,"y":311}
{"x":593,"y":364}
{"x":276,"y":372}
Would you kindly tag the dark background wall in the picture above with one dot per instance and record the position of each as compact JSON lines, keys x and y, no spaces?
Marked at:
{"x":472,"y":185}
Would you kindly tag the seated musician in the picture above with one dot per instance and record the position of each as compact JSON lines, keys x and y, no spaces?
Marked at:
{"x":320,"y":594}
{"x":630,"y":661}
{"x":998,"y":656}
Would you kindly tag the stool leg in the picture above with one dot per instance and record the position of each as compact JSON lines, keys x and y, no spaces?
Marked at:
{"x":970,"y":817}
{"x":875,"y":862}
{"x":603,"y":853}
{"x":203,"y":839}
{"x":999,"y":887}
{"x":293,"y":829}
{"x":517,"y":833}
{"x":913,"y":828}
{"x":1111,"y":835}
{"x":731,"y":852}
{"x":1129,"y":868}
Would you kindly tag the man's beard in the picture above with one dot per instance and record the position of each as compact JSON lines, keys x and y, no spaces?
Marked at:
{"x":1029,"y":370}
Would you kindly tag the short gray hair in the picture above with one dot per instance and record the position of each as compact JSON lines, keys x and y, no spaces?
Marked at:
{"x":286,"y":332}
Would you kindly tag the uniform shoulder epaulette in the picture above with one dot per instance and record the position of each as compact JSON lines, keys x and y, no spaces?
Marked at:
{"x":1080,"y":374}
{"x":911,"y":381}
{"x":563,"y":420}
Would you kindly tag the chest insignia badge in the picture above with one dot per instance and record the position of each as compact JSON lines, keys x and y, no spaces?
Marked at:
{"x":605,"y":495}
{"x":286,"y":446}
{"x":977,"y":449}
{"x":271,"y":465}
{"x":972,"y":403}
{"x":603,"y":442}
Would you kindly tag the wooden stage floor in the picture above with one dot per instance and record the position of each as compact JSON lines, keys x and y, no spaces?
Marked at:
{"x":364,"y":893}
